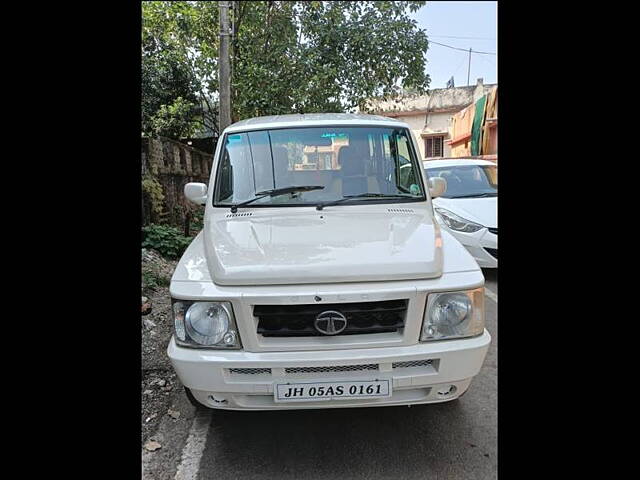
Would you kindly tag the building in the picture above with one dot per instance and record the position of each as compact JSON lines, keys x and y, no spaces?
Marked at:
{"x":430,"y":116}
{"x":321,"y":157}
{"x":474,"y":129}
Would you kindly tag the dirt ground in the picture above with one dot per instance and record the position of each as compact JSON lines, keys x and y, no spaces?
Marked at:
{"x":159,"y":382}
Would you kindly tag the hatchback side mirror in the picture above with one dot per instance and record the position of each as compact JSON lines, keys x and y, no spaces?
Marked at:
{"x":196,"y":192}
{"x":437,"y":186}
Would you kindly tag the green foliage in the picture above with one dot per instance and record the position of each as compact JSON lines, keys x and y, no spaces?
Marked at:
{"x":168,"y":241}
{"x":152,"y":279}
{"x":285,"y":57}
{"x":175,"y":120}
{"x":324,"y":56}
{"x":154,"y":191}
{"x":178,"y":62}
{"x":197,"y":221}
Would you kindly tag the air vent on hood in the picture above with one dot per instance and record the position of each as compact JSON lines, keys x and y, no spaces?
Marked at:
{"x":244,"y":214}
{"x":399,"y":210}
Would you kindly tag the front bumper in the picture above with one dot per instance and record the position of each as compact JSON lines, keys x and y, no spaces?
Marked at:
{"x":249,"y":386}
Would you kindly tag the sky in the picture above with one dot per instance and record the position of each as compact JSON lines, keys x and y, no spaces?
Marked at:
{"x":443,"y":20}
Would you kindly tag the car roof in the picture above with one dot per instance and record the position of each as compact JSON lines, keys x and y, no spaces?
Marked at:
{"x":313,"y":119}
{"x":455,"y":162}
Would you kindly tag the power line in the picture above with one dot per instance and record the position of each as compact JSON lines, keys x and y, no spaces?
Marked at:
{"x":462,"y":38}
{"x":462,"y":49}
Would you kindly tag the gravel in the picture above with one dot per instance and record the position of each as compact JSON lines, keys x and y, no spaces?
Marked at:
{"x":159,"y":382}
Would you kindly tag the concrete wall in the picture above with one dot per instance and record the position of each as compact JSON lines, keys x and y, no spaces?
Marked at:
{"x":439,"y":99}
{"x":416,"y":123}
{"x":438,"y":122}
{"x":173,"y":165}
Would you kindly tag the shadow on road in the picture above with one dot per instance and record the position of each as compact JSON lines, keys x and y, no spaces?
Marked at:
{"x":383,"y":442}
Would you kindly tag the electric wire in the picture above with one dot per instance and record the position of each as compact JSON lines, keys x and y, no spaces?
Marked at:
{"x":462,"y":38}
{"x":462,"y":49}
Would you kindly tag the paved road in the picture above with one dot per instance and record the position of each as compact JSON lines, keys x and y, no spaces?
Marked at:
{"x":441,"y":441}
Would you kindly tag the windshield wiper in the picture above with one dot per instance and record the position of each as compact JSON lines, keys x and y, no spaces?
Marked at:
{"x":274,"y":192}
{"x":477,"y":195}
{"x":321,"y":205}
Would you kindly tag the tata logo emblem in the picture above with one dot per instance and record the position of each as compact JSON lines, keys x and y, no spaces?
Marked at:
{"x":330,"y":322}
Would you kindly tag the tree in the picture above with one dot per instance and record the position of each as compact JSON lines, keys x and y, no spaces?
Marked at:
{"x":179,"y":74}
{"x":285,"y":57}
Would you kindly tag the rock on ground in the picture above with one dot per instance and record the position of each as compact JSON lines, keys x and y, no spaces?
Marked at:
{"x":159,"y":382}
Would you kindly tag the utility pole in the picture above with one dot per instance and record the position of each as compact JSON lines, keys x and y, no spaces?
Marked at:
{"x":469,"y":67}
{"x":224,"y":68}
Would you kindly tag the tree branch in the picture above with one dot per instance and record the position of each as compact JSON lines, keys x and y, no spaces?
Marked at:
{"x":266,"y":41}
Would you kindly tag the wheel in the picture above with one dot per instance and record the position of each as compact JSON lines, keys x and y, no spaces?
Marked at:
{"x":193,"y":400}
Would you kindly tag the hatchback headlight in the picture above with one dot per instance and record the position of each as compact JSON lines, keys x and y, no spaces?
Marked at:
{"x":456,"y":222}
{"x":453,"y":315}
{"x":205,"y":324}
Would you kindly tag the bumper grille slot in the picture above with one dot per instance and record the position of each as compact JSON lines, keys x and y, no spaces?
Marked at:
{"x":338,"y":368}
{"x":493,"y":230}
{"x":493,"y":252}
{"x":362,"y":318}
{"x":413,"y":363}
{"x":250,"y":371}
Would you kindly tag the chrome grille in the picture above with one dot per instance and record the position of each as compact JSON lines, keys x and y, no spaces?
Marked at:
{"x":338,"y":368}
{"x":362,"y":318}
{"x":413,"y":363}
{"x":250,"y":371}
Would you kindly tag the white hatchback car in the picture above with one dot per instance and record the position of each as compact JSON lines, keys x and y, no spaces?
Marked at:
{"x":469,"y":207}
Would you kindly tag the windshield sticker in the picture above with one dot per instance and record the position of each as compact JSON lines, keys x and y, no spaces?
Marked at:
{"x":234,"y":138}
{"x":334,"y":135}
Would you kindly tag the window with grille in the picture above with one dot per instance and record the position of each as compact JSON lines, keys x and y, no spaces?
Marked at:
{"x":433,"y":146}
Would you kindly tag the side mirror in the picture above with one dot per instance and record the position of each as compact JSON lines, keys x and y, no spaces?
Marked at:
{"x":437,"y":186}
{"x":196,"y":192}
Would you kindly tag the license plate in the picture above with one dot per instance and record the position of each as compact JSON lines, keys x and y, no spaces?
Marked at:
{"x":301,"y":392}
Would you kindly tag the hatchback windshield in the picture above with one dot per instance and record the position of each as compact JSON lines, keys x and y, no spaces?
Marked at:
{"x":329,"y":163}
{"x":467,"y":181}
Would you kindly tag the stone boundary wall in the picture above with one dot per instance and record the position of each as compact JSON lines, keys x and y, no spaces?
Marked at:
{"x":173,"y":165}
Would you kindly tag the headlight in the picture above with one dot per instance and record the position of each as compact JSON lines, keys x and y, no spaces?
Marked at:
{"x":456,"y":222}
{"x":453,"y":315}
{"x":205,"y":324}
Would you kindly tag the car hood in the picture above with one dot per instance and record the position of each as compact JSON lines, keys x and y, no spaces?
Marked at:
{"x":480,"y":210}
{"x":290,"y":245}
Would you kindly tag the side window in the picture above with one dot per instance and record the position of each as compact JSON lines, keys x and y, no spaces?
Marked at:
{"x":492,"y":175}
{"x":407,"y":180}
{"x":234,"y":167}
{"x":225,"y":187}
{"x":238,"y":176}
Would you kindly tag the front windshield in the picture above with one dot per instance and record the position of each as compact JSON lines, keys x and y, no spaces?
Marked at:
{"x":467,"y":181}
{"x":344,"y":161}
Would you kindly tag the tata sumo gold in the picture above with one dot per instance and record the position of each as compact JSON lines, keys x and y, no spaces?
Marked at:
{"x":320,"y":278}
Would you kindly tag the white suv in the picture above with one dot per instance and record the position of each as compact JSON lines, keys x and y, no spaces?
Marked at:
{"x":320,"y":278}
